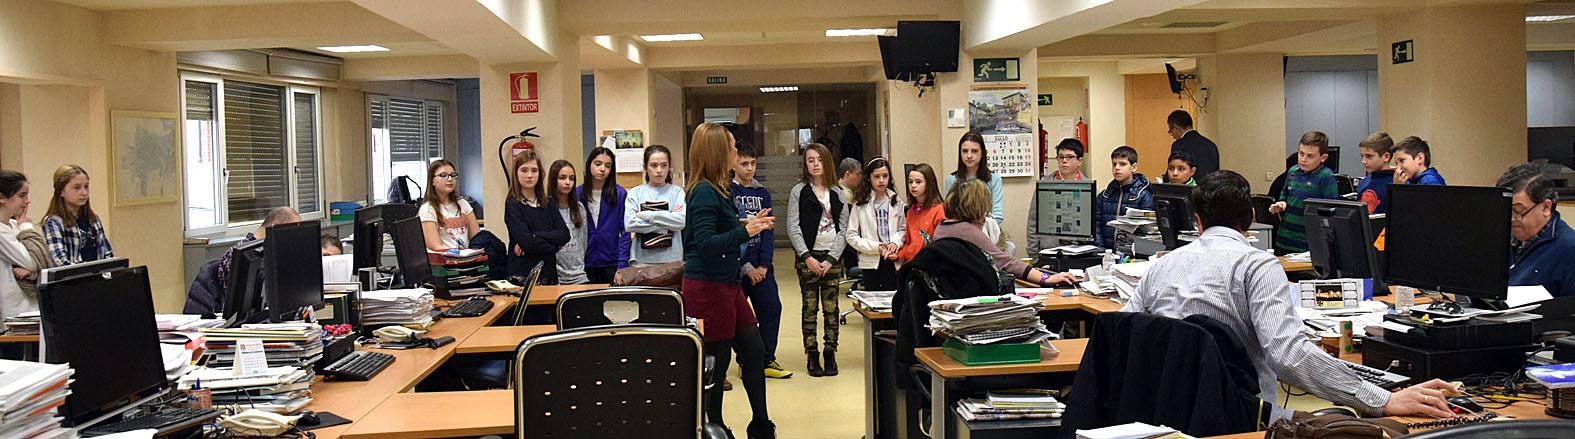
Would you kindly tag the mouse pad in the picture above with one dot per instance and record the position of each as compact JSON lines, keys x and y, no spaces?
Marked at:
{"x":325,"y":420}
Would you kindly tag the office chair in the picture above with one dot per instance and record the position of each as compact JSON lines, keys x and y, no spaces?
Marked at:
{"x":1510,"y":430}
{"x":611,"y":381}
{"x":530,"y":284}
{"x":652,"y":305}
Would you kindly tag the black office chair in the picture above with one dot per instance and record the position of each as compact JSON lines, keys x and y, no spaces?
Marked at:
{"x":611,"y":381}
{"x":529,"y":284}
{"x":1541,"y":429}
{"x":650,"y":305}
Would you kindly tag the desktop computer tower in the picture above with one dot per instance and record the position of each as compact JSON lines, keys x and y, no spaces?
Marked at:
{"x":1422,"y":363}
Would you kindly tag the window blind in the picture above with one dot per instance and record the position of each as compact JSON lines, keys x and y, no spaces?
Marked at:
{"x":306,"y":153}
{"x":434,"y":134}
{"x":405,"y":126}
{"x":255,"y":150}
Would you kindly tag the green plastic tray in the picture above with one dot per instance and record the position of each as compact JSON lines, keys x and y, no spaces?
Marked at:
{"x":982,"y":355}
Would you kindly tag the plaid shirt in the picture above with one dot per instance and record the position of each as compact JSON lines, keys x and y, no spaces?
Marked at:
{"x":65,"y":242}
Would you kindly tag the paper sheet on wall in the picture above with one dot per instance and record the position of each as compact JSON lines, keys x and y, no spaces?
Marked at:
{"x":629,"y":160}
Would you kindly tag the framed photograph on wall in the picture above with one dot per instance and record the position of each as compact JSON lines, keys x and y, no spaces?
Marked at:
{"x":144,"y":157}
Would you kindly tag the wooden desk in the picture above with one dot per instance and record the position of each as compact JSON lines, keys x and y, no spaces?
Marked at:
{"x":507,"y":338}
{"x":30,"y":338}
{"x":1295,"y":267}
{"x":943,"y":369}
{"x":438,"y":414}
{"x":1519,"y":411}
{"x":549,"y":294}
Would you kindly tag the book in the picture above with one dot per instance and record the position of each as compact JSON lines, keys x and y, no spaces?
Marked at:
{"x":1557,"y":376}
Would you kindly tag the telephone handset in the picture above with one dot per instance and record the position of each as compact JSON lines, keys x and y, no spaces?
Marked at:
{"x":255,"y":422}
{"x":396,"y":333}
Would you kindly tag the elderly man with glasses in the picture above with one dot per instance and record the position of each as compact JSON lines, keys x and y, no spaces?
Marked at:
{"x":1544,"y":245}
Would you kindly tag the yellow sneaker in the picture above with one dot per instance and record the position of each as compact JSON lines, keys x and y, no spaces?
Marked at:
{"x":775,"y":370}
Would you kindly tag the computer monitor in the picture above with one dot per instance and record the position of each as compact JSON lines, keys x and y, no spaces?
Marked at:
{"x":1066,"y":209}
{"x":370,"y":225}
{"x":1340,"y":238}
{"x":244,"y":303}
{"x":1333,"y":162}
{"x":292,"y":269}
{"x":91,"y":267}
{"x":1167,"y":213}
{"x":103,"y":327}
{"x":1453,"y":239}
{"x":1179,"y":193}
{"x":410,"y":249}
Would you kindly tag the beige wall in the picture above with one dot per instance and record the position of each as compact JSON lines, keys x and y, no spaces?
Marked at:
{"x":558,"y":122}
{"x":1107,"y":127}
{"x":1069,"y":97}
{"x":1245,"y":115}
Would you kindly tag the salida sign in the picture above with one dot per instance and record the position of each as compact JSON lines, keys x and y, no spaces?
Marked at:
{"x":522,"y":93}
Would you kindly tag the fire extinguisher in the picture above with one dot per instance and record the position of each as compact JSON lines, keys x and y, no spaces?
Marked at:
{"x":1080,"y":131}
{"x":523,"y":143}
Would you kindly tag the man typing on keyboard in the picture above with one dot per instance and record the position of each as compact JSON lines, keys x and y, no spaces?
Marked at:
{"x":1222,"y":276}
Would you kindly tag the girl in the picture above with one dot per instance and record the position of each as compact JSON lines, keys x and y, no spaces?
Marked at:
{"x":875,"y":226}
{"x":536,"y":231}
{"x":607,"y":245}
{"x":571,"y":261}
{"x":973,"y":161}
{"x":74,"y":232}
{"x":13,"y":208}
{"x":924,"y":212}
{"x":447,"y":221}
{"x":966,"y":210}
{"x":716,"y":236}
{"x":815,"y":224}
{"x":654,"y":212}
{"x":1414,"y":163}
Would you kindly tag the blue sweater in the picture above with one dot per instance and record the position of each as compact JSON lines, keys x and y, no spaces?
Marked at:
{"x":1545,"y":259}
{"x":608,"y":245}
{"x":1430,"y":176}
{"x":1113,"y":203}
{"x":749,"y":200}
{"x":1374,"y":190}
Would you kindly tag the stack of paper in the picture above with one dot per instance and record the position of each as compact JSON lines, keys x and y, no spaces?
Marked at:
{"x":274,"y":389}
{"x":1132,"y":273}
{"x":22,"y":324}
{"x":339,"y":269}
{"x":459,"y":272}
{"x":397,"y":307}
{"x":879,"y":301}
{"x":284,"y":344}
{"x":29,"y":394}
{"x":1014,"y":404}
{"x":1135,"y":430}
{"x":182,"y":328}
{"x":1071,"y":250}
{"x":989,"y":319}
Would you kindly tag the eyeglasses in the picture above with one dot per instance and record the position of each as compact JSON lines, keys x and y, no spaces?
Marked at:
{"x":1067,"y":157}
{"x":447,"y":176}
{"x":1517,"y":214}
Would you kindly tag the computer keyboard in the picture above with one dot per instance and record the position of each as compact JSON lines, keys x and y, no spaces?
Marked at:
{"x":469,"y":308}
{"x":359,"y":366}
{"x":165,"y":421}
{"x":1387,"y":380}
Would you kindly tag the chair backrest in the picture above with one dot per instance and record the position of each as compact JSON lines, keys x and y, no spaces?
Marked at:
{"x":1260,"y":210}
{"x":644,"y":305}
{"x":609,"y":381}
{"x":530,"y":284}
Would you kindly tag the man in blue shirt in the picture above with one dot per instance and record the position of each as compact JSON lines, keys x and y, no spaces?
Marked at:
{"x":1544,"y":245}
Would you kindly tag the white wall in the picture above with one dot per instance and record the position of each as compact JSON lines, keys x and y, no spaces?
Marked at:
{"x":1550,"y":89}
{"x":1334,"y":94}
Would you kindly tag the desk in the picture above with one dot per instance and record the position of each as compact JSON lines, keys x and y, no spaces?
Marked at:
{"x":549,"y":294}
{"x":29,"y":338}
{"x":943,"y":369}
{"x":1518,"y":410}
{"x":506,"y":338}
{"x":1295,"y":267}
{"x":438,"y":414}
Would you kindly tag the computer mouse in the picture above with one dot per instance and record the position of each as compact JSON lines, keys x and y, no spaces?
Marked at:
{"x":1347,"y":411}
{"x":308,"y":418}
{"x":1465,"y":403}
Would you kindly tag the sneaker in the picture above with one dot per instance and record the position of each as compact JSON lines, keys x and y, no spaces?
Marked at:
{"x":775,"y":370}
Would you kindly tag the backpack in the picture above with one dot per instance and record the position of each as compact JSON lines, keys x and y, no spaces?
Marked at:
{"x":947,"y":268}
{"x":399,"y":192}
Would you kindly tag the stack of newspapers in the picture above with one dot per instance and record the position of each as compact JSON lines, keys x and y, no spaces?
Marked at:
{"x":989,"y":319}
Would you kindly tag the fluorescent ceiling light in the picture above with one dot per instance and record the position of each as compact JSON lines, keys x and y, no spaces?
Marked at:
{"x":354,"y":49}
{"x":778,"y":89}
{"x":856,"y":32}
{"x":1547,"y":18}
{"x":672,"y":37}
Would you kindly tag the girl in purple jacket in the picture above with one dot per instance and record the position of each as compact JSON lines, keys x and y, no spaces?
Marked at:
{"x":608,"y":249}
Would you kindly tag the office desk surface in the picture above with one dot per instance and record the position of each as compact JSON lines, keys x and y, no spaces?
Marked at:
{"x":30,"y":338}
{"x":548,"y":294}
{"x":1524,"y":411}
{"x":1293,"y":267}
{"x":439,"y":414}
{"x":1067,"y":361}
{"x":501,"y":338}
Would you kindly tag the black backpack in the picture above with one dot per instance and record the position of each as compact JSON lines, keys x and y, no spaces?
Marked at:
{"x":399,"y":192}
{"x":947,"y":268}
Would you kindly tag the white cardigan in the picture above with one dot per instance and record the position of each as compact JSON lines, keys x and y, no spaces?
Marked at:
{"x":12,"y":254}
{"x":862,"y":234}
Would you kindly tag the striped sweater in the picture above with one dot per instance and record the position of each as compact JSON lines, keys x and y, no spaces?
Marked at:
{"x":1299,"y":187}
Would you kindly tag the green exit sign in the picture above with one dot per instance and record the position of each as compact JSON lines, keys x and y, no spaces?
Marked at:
{"x":1402,"y":52}
{"x":716,"y":79}
{"x":1045,"y":99}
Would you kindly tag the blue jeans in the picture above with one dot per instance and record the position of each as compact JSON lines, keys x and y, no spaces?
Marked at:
{"x":768,"y":309}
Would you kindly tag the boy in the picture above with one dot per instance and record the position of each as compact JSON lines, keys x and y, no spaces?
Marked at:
{"x":1069,"y":167}
{"x":759,"y":281}
{"x":1414,"y":163}
{"x":1127,"y":189}
{"x":1308,"y":180}
{"x":1181,"y":169}
{"x":1377,"y":150}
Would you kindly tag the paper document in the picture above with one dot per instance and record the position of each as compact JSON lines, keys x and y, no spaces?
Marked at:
{"x":1525,"y":295}
{"x":1135,"y":430}
{"x":339,"y":269}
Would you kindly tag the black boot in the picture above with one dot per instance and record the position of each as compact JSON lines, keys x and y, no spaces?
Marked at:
{"x":814,"y":363}
{"x":831,"y":364}
{"x":762,"y":430}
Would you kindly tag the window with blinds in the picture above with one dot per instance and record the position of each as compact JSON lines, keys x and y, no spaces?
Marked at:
{"x":406,"y":134}
{"x":249,"y":147}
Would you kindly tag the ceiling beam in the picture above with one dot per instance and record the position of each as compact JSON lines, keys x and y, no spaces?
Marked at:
{"x":1131,"y":46}
{"x":491,"y":31}
{"x":410,"y":68}
{"x":1020,"y":25}
{"x":252,"y":27}
{"x":865,"y":53}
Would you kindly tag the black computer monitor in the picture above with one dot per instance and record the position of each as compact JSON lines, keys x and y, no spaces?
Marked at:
{"x":1333,"y":162}
{"x":1179,"y":193}
{"x":292,"y":269}
{"x":1453,"y":239}
{"x":91,"y":267}
{"x":1066,"y":209}
{"x":244,"y":303}
{"x":410,"y":248}
{"x":1167,"y":213}
{"x":103,"y":327}
{"x":370,"y":225}
{"x":1340,"y":238}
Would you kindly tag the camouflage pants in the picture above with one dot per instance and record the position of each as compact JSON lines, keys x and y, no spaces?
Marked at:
{"x":820,"y":293}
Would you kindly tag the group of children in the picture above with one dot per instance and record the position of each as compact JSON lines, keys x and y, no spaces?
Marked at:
{"x":72,"y":233}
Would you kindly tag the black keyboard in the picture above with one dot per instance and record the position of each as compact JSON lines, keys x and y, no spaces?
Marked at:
{"x":1386,"y":380}
{"x":359,"y":365}
{"x":165,"y":421}
{"x":469,"y":308}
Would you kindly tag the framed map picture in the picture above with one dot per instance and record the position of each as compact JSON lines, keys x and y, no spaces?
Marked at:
{"x":144,"y":156}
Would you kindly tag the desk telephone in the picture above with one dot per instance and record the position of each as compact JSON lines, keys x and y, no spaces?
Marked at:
{"x":255,"y":422}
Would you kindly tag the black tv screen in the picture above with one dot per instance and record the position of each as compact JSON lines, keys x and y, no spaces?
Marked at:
{"x":927,"y":46}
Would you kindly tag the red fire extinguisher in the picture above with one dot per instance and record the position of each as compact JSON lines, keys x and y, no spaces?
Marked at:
{"x":1080,"y":131}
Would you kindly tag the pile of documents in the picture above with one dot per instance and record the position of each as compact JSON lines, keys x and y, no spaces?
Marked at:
{"x":878,"y":301}
{"x":266,"y":366}
{"x":274,"y":389}
{"x":339,"y":274}
{"x":397,"y":307}
{"x":989,"y":319}
{"x":29,"y":394}
{"x":1135,"y":430}
{"x":1004,"y":405}
{"x":460,"y":272}
{"x":285,"y":344}
{"x":22,"y":324}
